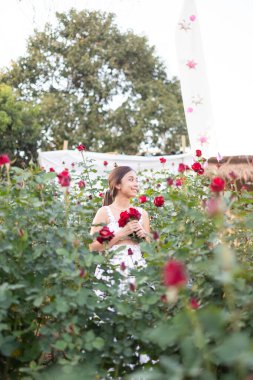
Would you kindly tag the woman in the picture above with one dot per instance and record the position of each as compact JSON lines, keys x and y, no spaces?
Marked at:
{"x":123,"y":185}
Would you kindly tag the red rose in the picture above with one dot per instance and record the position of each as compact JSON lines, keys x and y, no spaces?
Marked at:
{"x":105,"y":163}
{"x":194,"y":304}
{"x":198,"y":153}
{"x":179,"y":182}
{"x":81,"y":184}
{"x":81,"y":147}
{"x":170,"y":181}
{"x":201,"y":171}
{"x":134,"y":213}
{"x":142,"y":199}
{"x":163,"y":160}
{"x":64,"y":178}
{"x":124,"y":219}
{"x":51,"y":170}
{"x":217,"y":185}
{"x":182,"y":168}
{"x":196,"y":166}
{"x":159,"y":201}
{"x":105,"y":235}
{"x":174,"y":274}
{"x":4,"y":159}
{"x":101,"y":195}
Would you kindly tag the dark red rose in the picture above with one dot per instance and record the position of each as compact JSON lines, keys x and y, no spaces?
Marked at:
{"x":64,"y":178}
{"x":134,"y":213}
{"x":196,"y":166}
{"x":217,"y":184}
{"x":163,"y":160}
{"x":232,"y":175}
{"x":4,"y":159}
{"x":194,"y":304}
{"x":130,"y":252}
{"x":82,"y":273}
{"x":51,"y":170}
{"x":198,"y":153}
{"x":174,"y":274}
{"x":163,"y":298}
{"x":155,"y":235}
{"x":81,"y":147}
{"x":159,"y":201}
{"x":123,"y":266}
{"x":73,"y":164}
{"x":170,"y":181}
{"x":124,"y":219}
{"x":105,"y":163}
{"x":142,"y":199}
{"x":132,"y":287}
{"x":81,"y":184}
{"x":105,"y":235}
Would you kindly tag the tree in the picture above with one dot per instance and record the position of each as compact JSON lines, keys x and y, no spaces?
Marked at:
{"x":19,"y":127}
{"x":98,"y":85}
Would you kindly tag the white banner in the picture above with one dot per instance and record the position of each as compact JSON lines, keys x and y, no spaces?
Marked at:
{"x":194,"y":84}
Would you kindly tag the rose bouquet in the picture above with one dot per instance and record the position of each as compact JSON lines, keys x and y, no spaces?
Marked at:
{"x":127,"y":216}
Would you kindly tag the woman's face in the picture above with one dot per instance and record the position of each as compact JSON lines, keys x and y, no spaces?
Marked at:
{"x":129,"y":184}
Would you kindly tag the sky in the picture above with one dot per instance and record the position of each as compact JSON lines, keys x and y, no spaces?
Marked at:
{"x":226,"y":29}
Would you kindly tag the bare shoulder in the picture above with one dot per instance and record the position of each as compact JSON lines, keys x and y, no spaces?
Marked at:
{"x":101,"y":213}
{"x":143,"y":212}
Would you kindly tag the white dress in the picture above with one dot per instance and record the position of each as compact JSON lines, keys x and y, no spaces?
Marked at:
{"x":129,"y":254}
{"x":132,"y":259}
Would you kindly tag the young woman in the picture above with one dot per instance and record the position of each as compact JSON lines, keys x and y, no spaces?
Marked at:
{"x":123,"y":185}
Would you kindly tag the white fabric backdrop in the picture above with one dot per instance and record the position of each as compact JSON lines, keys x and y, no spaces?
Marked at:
{"x":61,"y":159}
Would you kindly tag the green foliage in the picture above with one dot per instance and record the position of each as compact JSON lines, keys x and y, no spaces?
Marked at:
{"x":52,"y":302}
{"x":97,"y":84}
{"x":19,"y":126}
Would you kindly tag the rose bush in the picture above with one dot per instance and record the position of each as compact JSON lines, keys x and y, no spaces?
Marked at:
{"x":59,"y":321}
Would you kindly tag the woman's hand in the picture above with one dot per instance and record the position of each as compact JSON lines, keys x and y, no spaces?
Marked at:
{"x":130,"y":228}
{"x":140,"y":232}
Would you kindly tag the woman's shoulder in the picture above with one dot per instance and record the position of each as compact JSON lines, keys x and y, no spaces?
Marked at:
{"x":102,"y":210}
{"x":142,"y":210}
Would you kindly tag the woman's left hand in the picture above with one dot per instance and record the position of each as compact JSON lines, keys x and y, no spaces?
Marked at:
{"x":140,"y":232}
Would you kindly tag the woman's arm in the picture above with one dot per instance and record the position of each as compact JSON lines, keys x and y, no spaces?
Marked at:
{"x":144,"y":230}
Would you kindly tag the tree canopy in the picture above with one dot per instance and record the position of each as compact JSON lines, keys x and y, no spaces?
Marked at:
{"x":20,"y":129}
{"x":98,"y":85}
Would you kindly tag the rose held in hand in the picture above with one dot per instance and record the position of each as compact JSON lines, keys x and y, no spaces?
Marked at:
{"x":127,"y":216}
{"x":105,"y":235}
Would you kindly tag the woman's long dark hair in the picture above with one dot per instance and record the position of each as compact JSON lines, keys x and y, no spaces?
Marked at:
{"x":114,"y":179}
